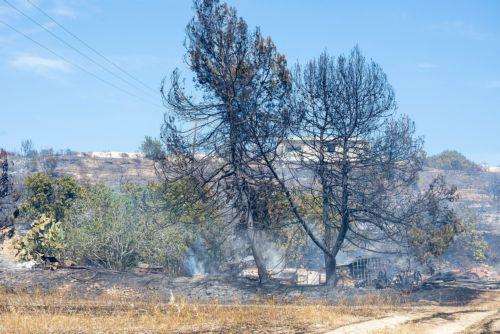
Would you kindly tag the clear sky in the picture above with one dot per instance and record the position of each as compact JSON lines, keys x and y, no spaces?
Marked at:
{"x":442,"y":58}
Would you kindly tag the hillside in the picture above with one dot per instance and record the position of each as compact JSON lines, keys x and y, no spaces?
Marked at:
{"x":112,"y":169}
{"x":115,"y":168}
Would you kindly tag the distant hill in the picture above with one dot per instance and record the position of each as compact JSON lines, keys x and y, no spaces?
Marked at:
{"x":110,"y":168}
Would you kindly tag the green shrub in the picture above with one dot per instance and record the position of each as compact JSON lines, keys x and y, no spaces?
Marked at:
{"x":46,"y":201}
{"x":49,"y":196}
{"x":100,"y":230}
{"x":452,"y":160}
{"x":118,"y":229}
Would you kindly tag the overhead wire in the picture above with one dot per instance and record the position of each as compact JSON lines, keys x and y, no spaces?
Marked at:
{"x":121,"y":69}
{"x":62,"y":40}
{"x":76,"y":65}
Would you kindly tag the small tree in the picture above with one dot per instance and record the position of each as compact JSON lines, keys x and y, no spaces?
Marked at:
{"x":152,"y":148}
{"x":434,"y":224}
{"x":28,"y":149}
{"x":469,"y":246}
{"x":30,"y":155}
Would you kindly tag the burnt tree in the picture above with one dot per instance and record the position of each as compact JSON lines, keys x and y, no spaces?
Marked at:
{"x":5,"y":186}
{"x":6,"y":200}
{"x":361,"y":157}
{"x":216,"y":140}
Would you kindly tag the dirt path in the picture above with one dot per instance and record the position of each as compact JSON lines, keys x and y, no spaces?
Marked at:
{"x":452,"y":322}
{"x":480,"y":316}
{"x":490,"y":324}
{"x":375,"y":325}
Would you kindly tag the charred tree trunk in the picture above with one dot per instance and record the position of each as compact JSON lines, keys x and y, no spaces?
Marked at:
{"x":258,"y":258}
{"x":330,"y":262}
{"x":251,"y":228}
{"x":6,"y":200}
{"x":331,"y":270}
{"x":330,"y":259}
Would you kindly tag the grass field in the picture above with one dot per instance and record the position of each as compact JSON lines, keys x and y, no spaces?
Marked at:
{"x":60,"y":313}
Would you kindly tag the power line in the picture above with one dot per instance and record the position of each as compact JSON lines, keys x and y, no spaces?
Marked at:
{"x":75,"y":49}
{"x":77,"y":66}
{"x":90,"y":47}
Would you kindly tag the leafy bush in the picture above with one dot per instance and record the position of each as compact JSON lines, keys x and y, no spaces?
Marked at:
{"x":100,"y":230}
{"x":118,"y":229}
{"x":452,"y":160}
{"x":96,"y":225}
{"x":49,"y":196}
{"x":436,"y":224}
{"x":470,"y":246}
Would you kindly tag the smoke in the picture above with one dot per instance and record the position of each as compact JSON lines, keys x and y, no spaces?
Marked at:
{"x":194,"y":265}
{"x":274,"y":257}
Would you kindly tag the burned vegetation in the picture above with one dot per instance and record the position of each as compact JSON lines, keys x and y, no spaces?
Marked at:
{"x":270,"y":180}
{"x":277,"y":197}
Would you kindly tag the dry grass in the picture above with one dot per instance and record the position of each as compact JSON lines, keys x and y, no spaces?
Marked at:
{"x":60,"y":313}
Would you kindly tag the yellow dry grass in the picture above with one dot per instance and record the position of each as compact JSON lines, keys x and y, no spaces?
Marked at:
{"x":62,"y":313}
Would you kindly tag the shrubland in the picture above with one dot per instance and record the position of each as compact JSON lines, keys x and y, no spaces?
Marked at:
{"x":116,"y":229}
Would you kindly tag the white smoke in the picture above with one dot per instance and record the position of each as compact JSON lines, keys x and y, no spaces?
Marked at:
{"x":194,"y":265}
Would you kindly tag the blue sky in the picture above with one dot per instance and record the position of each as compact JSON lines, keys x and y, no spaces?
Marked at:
{"x":442,"y":58}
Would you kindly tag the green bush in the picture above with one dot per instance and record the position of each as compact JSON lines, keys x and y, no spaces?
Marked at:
{"x":118,"y":229}
{"x":100,"y":230}
{"x":46,"y":201}
{"x":152,"y":148}
{"x":470,"y":246}
{"x":436,"y":224}
{"x":452,"y":160}
{"x":49,"y":196}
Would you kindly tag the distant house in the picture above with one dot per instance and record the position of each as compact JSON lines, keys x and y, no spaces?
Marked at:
{"x":112,"y":155}
{"x":307,"y":148}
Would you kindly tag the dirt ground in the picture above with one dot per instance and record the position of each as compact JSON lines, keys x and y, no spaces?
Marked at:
{"x":38,"y":300}
{"x":94,"y":301}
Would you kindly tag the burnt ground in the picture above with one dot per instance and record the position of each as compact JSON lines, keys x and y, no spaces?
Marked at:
{"x":224,"y":289}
